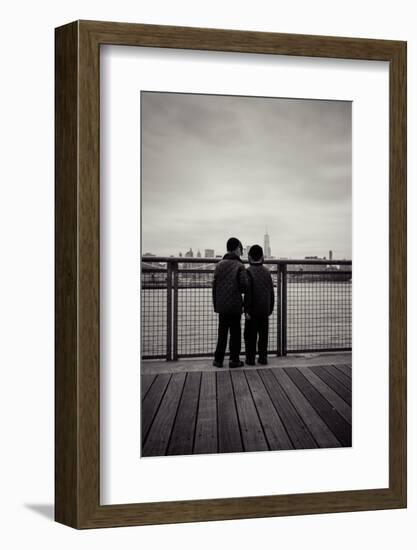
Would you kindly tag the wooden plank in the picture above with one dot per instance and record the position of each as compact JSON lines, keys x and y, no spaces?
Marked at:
{"x":331,"y":381}
{"x":156,"y":443}
{"x":253,"y":437}
{"x":182,"y":437}
{"x":343,"y":379}
{"x":332,"y":397}
{"x":230,"y":440}
{"x":346,"y":369}
{"x":145,"y":383}
{"x":341,"y":429}
{"x":274,"y":429}
{"x":320,"y":431}
{"x":152,"y":401}
{"x":296,"y":429}
{"x":205,"y":440}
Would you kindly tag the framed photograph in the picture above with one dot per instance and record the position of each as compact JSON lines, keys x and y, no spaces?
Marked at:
{"x":230,"y":274}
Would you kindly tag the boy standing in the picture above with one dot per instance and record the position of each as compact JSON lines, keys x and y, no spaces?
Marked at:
{"x":258,"y":305}
{"x":230,"y":282}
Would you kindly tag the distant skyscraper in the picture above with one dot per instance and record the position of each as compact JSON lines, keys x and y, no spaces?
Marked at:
{"x":330,"y":254}
{"x":245,"y":252}
{"x":189,"y":254}
{"x":209,"y":253}
{"x":267,"y":246}
{"x":198,"y":253}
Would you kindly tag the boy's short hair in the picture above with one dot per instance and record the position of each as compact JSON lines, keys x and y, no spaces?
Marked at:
{"x":256,"y":253}
{"x":232,"y":244}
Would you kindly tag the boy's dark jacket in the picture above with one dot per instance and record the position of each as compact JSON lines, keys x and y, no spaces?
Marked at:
{"x":229,"y":283}
{"x":260,"y":297}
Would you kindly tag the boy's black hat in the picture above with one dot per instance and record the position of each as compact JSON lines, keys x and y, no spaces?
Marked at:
{"x":256,"y":254}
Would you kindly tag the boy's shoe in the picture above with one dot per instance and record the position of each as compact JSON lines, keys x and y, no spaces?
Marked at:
{"x":250,"y":362}
{"x":262,"y":360}
{"x":217,"y":364}
{"x":235,"y":364}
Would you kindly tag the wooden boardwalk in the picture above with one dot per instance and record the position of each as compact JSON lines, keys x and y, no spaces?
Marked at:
{"x":246,"y":409}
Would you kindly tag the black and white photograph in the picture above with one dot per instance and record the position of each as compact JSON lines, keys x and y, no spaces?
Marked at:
{"x":246,"y":274}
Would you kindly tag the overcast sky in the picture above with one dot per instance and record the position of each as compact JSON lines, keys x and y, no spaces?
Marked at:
{"x":221,"y":166}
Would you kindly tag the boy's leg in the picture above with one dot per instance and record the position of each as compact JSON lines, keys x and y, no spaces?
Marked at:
{"x":221,"y":339}
{"x":250,"y":341}
{"x":235,"y":338}
{"x":262,"y":327}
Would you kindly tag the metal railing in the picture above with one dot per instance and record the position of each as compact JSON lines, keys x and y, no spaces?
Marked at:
{"x":313,"y":307}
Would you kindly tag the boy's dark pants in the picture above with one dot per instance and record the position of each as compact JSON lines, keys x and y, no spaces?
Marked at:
{"x":226,"y":323}
{"x":256,"y":328}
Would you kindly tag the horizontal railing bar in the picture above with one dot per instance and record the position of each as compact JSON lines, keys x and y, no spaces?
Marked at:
{"x":165,"y":259}
{"x":153,"y":288}
{"x":195,"y":270}
{"x":196,"y":287}
{"x":202,"y":355}
{"x":323,"y":273}
{"x":316,"y":350}
{"x":191,"y":355}
{"x":202,"y":270}
{"x":270,"y":352}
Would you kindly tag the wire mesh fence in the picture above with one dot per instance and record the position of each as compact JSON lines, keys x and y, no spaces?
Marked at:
{"x":154,"y":325}
{"x":312,"y":309}
{"x":197,"y":322}
{"x":319,"y":311}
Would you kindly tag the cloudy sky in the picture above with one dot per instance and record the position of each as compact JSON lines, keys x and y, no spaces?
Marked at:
{"x":221,"y":166}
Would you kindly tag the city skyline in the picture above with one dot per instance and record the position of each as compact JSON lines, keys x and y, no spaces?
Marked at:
{"x":219,"y":166}
{"x":213,"y":253}
{"x":220,"y":252}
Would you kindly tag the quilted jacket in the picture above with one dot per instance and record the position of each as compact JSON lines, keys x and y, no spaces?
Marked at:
{"x":229,"y":283}
{"x":260,"y":297}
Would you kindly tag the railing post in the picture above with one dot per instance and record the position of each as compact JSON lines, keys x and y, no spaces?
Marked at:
{"x":175,"y":312}
{"x":169,"y":313}
{"x":278,"y":312}
{"x":284,"y":309}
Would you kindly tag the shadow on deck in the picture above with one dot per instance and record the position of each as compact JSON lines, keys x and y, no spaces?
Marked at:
{"x":247,"y":409}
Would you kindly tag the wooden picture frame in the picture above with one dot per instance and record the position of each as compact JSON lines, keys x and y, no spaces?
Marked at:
{"x":77,"y":382}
